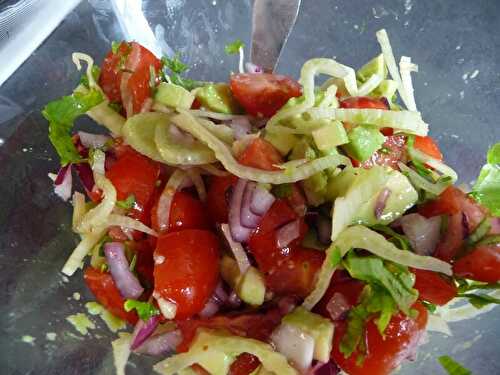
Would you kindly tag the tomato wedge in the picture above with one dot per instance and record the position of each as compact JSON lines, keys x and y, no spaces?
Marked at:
{"x":219,"y":189}
{"x":188,"y":272}
{"x":244,"y":364}
{"x":363,"y":102}
{"x":434,"y":288}
{"x":104,"y":289}
{"x":263,"y":94}
{"x":402,"y":337}
{"x":481,"y":264}
{"x":428,"y":146}
{"x":393,"y":151}
{"x":261,"y":154}
{"x":186,"y":212}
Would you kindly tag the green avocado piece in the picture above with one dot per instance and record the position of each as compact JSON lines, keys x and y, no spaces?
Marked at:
{"x":174,"y":96}
{"x":374,"y":66}
{"x":364,"y":140}
{"x":330,"y":135}
{"x":319,"y":328}
{"x":251,"y":287}
{"x":218,"y":97}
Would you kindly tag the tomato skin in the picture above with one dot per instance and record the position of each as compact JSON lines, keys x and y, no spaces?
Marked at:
{"x":434,"y":288}
{"x":261,"y":154}
{"x":189,"y":273}
{"x":186,"y":212}
{"x":137,"y":86}
{"x":363,"y":102}
{"x":263,"y":94}
{"x":104,"y":289}
{"x":133,"y":173}
{"x":395,"y":151}
{"x":218,"y":198}
{"x":244,"y":364}
{"x":402,"y":336}
{"x":351,"y":290}
{"x":482,"y":264}
{"x":428,"y":146}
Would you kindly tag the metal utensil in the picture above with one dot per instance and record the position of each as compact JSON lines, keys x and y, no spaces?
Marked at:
{"x":272,"y":21}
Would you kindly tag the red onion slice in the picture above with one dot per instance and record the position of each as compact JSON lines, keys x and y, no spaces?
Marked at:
{"x":234,"y":301}
{"x":248,"y":218}
{"x":239,"y":253}
{"x":93,"y":140}
{"x":495,"y":225}
{"x":252,"y":68}
{"x":64,"y":183}
{"x":422,"y":233}
{"x":215,"y":302}
{"x":238,"y":231}
{"x":86,"y":176}
{"x":143,"y":330}
{"x":241,"y":126}
{"x":321,"y":368}
{"x":262,"y":200}
{"x":337,"y":306}
{"x":288,"y":233}
{"x":125,"y":280}
{"x":295,"y":345}
{"x":161,"y":343}
{"x":380,"y":203}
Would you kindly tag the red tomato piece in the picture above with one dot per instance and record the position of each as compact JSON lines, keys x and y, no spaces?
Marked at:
{"x":428,"y":146}
{"x":363,"y":102}
{"x":263,"y":94}
{"x":131,"y":62}
{"x":104,"y":289}
{"x":244,"y":364}
{"x":393,"y":151}
{"x":349,"y":288}
{"x":135,"y":174}
{"x":145,"y":264}
{"x":434,"y":288}
{"x":451,"y":241}
{"x":402,"y":337}
{"x":261,"y":154}
{"x":258,"y":326}
{"x":218,"y":197}
{"x":186,"y":212}
{"x":189,"y":273}
{"x":481,"y":264}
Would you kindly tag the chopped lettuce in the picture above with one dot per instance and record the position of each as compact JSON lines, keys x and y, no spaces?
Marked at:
{"x":452,"y":367}
{"x":61,"y":115}
{"x":486,"y":190}
{"x":145,"y":310}
{"x":396,"y":279}
{"x":126,"y":204}
{"x":215,"y":350}
{"x":175,"y":67}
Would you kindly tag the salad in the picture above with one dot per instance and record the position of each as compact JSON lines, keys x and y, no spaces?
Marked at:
{"x":267,"y":225}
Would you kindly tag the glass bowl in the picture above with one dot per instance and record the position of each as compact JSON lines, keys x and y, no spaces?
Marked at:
{"x":454,"y":44}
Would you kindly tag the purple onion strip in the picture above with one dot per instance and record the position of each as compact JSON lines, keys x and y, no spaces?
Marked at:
{"x":143,"y":330}
{"x":125,"y":280}
{"x":248,"y":218}
{"x":238,"y":231}
{"x":262,"y":200}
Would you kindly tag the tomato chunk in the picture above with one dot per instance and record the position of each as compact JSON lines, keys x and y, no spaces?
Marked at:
{"x":218,"y":197}
{"x":428,"y":146}
{"x":393,"y":151}
{"x":363,"y":102}
{"x":111,"y":72}
{"x":244,"y":364}
{"x":402,"y":337}
{"x":481,"y":264}
{"x":186,"y":212}
{"x":263,"y":94}
{"x":434,"y":288}
{"x":104,"y":289}
{"x":261,"y":154}
{"x":188,"y":271}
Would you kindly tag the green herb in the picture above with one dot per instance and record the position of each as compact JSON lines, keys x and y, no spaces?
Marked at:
{"x":482,"y":230}
{"x":127,"y":203}
{"x":282,"y":190}
{"x":96,"y":72}
{"x":61,"y":115}
{"x":421,"y":169}
{"x":335,"y":257}
{"x":133,"y":263}
{"x":145,"y":310}
{"x":115,"y":106}
{"x":104,"y":267}
{"x":486,"y":190}
{"x":101,"y":244}
{"x":429,"y":306}
{"x":452,"y":367}
{"x":479,"y":300}
{"x":176,"y":67}
{"x":490,"y":240}
{"x":385,"y":150}
{"x":115,"y":46}
{"x":397,"y":239}
{"x":234,"y":47}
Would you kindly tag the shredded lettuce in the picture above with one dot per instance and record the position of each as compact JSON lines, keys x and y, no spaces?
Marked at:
{"x":188,"y":123}
{"x":215,"y":350}
{"x":486,"y":190}
{"x":452,"y":367}
{"x":421,"y":182}
{"x":61,"y":115}
{"x":145,"y":310}
{"x":360,"y":237}
{"x":79,"y":209}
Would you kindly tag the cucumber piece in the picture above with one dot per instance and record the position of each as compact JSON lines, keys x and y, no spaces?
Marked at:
{"x":364,"y":140}
{"x":139,"y":132}
{"x":217,"y":97}
{"x":174,"y":96}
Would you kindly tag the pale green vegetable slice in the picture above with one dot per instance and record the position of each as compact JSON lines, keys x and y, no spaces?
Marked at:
{"x":174,"y":96}
{"x":139,"y":132}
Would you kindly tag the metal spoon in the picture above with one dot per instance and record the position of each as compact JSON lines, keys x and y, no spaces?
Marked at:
{"x":272,"y":22}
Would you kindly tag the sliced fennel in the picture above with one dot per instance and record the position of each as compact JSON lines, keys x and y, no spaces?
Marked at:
{"x":129,"y":223}
{"x":406,"y":67}
{"x":139,"y":132}
{"x":215,"y":350}
{"x":406,"y":121}
{"x":188,"y":123}
{"x":421,"y":182}
{"x":434,"y":163}
{"x":79,"y":209}
{"x":75,"y":260}
{"x":360,"y":237}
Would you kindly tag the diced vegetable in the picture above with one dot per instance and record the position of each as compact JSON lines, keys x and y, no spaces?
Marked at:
{"x":364,"y":140}
{"x":174,"y":96}
{"x":218,"y":98}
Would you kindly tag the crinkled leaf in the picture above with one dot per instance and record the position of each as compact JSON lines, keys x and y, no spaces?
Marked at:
{"x":487,"y":187}
{"x":61,"y":115}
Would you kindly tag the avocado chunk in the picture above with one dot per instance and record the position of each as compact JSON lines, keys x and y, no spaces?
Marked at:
{"x":330,"y":135}
{"x":374,"y":66}
{"x":319,"y":328}
{"x":283,"y":142}
{"x":174,"y":96}
{"x":217,"y":97}
{"x":364,"y":140}
{"x":251,"y":287}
